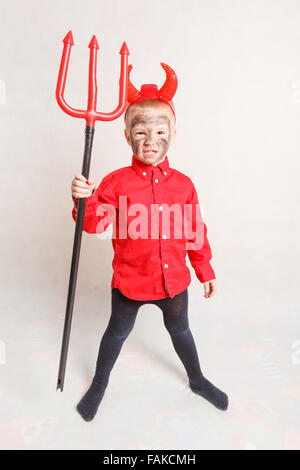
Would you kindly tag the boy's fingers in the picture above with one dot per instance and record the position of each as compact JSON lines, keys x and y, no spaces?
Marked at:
{"x":209,"y":288}
{"x":206,"y":286}
{"x":81,"y":195}
{"x":81,"y":190}
{"x":79,"y":176}
{"x":80,"y":184}
{"x":212,"y":288}
{"x":206,"y":289}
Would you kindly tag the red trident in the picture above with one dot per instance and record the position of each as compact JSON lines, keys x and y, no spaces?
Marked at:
{"x":90,"y":115}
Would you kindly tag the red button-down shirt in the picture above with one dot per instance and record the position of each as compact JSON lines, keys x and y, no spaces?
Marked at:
{"x":148,"y":267}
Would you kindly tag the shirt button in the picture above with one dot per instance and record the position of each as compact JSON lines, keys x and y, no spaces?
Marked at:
{"x":165,"y":172}
{"x":156,"y":181}
{"x":144,"y":173}
{"x":160,"y":208}
{"x":166,"y":265}
{"x":165,"y":236}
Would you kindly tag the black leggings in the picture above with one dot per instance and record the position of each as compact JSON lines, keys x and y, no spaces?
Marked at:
{"x":121,"y":322}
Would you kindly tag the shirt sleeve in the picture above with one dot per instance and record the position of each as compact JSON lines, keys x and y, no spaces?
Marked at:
{"x":100,"y":207}
{"x":199,"y":251}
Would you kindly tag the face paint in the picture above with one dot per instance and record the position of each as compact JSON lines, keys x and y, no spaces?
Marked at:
{"x":150,"y":131}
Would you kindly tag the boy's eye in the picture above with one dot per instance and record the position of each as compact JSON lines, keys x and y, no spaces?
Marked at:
{"x":159,"y":132}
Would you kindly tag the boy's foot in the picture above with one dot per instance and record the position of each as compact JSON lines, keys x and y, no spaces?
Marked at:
{"x":89,"y":403}
{"x":207,"y":390}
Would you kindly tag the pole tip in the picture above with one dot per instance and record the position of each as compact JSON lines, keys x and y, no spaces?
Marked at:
{"x":124,"y":49}
{"x":59,"y":385}
{"x":68,"y":39}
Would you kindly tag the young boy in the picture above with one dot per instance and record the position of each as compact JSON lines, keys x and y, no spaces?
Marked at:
{"x":150,"y":268}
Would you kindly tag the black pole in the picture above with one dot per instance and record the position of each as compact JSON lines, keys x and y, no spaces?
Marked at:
{"x":89,"y":134}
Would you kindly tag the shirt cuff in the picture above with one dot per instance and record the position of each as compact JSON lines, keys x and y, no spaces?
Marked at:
{"x":205,"y":273}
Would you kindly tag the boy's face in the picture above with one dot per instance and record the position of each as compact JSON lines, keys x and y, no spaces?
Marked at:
{"x":150,"y":134}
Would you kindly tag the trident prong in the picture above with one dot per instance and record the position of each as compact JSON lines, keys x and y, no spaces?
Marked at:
{"x":90,"y":115}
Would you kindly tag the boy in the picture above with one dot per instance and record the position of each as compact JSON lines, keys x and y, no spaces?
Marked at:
{"x":150,"y":268}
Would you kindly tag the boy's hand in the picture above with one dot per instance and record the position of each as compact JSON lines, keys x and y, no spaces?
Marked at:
{"x":209,"y":288}
{"x":82,"y":187}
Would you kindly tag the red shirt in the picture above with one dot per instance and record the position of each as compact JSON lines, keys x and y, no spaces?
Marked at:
{"x":154,"y":267}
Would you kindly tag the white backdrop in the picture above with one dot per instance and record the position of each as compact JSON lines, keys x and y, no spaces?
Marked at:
{"x":238,"y":120}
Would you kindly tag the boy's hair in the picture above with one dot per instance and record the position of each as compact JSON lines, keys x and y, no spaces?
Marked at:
{"x":153,"y":103}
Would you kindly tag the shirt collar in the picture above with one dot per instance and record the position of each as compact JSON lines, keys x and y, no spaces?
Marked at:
{"x":142,"y":167}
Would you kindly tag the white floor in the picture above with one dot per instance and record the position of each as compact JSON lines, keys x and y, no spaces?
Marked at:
{"x":148,"y":404}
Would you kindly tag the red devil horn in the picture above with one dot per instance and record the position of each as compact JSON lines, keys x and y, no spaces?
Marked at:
{"x":168,"y":90}
{"x":133,"y":94}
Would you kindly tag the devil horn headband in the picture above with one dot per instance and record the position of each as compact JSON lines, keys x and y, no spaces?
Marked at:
{"x":165,"y":93}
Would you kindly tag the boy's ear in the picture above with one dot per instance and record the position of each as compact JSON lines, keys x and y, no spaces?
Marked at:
{"x":173,"y":135}
{"x":126,"y":136}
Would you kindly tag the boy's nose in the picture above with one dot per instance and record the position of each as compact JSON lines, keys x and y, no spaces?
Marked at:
{"x":149,"y":139}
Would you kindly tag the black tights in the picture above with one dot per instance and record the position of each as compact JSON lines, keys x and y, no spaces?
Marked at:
{"x":123,"y":315}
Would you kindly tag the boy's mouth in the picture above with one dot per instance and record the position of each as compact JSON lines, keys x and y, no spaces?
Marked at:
{"x":149,"y":153}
